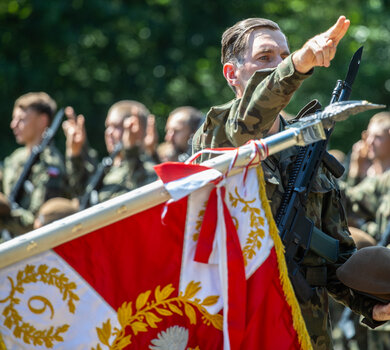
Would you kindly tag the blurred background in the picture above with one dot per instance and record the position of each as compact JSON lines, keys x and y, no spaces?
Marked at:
{"x":166,"y":53}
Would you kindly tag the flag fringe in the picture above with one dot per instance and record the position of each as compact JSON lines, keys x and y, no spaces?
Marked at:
{"x":2,"y":345}
{"x":298,"y":321}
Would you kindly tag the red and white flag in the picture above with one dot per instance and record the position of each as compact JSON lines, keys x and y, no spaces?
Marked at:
{"x":204,"y":272}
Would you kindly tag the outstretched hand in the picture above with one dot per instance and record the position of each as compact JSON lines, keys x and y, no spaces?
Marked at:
{"x":321,"y":49}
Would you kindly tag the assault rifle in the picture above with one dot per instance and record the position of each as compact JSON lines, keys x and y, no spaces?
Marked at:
{"x":48,"y":135}
{"x":90,"y":196}
{"x":297,"y":231}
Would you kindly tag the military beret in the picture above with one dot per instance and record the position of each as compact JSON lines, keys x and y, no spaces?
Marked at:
{"x":361,"y":238}
{"x":5,"y":207}
{"x":368,"y":271}
{"x":57,"y":208}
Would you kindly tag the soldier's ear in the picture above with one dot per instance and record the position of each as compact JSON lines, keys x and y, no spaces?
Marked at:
{"x":229,"y":72}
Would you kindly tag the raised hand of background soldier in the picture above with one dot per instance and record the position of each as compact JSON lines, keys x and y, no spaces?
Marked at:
{"x":151,"y":137}
{"x":359,"y":162}
{"x":75,"y":133}
{"x":321,"y":49}
{"x":132,"y":132}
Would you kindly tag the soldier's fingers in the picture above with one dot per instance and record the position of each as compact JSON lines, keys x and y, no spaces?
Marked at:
{"x":69,"y":112}
{"x":131,"y":124}
{"x":338,"y":30}
{"x":80,"y":122}
{"x":316,"y":51}
{"x":151,"y":121}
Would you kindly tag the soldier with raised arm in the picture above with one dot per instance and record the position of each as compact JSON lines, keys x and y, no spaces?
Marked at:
{"x":263,"y":74}
{"x":126,"y":125}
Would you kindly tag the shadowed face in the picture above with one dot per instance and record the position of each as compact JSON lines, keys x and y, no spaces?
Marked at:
{"x":178,"y":131}
{"x":114,"y":130}
{"x":378,"y":141}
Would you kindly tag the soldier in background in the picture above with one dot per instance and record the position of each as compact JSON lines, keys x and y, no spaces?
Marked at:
{"x":369,"y":176}
{"x":32,"y":114}
{"x":126,"y":122}
{"x":181,"y":125}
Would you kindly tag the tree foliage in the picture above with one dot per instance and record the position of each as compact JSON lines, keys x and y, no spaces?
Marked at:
{"x":166,"y":53}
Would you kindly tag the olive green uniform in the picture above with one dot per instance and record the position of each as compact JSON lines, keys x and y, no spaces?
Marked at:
{"x":133,"y":172}
{"x":366,"y":204}
{"x":250,"y":117}
{"x":369,"y":206}
{"x":47,"y":180}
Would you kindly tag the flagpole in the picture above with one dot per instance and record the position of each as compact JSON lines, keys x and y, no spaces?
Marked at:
{"x":133,"y":202}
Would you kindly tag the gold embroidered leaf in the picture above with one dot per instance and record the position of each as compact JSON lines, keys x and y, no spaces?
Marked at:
{"x":190,"y":312}
{"x":192,"y":289}
{"x":107,"y":328}
{"x":124,"y":342}
{"x":142,"y":299}
{"x":217,"y":321}
{"x":175,"y":309}
{"x":71,"y":306}
{"x":138,"y":327}
{"x":157,"y":294}
{"x":163,"y":312}
{"x":211,"y":300}
{"x":167,"y":291}
{"x":151,"y":319}
{"x":124,"y":313}
{"x":101,"y":336}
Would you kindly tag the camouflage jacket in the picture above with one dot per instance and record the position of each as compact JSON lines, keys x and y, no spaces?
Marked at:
{"x":366,"y":204}
{"x":250,"y":117}
{"x":47,"y":180}
{"x":133,"y":172}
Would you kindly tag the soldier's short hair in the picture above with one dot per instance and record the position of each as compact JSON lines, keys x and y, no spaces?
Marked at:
{"x":38,"y":101}
{"x":195,"y":116}
{"x":382,"y":118}
{"x":235,"y":39}
{"x":125,"y":109}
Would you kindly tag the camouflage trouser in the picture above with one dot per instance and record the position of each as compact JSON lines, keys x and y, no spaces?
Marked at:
{"x":378,"y":340}
{"x":316,"y":315}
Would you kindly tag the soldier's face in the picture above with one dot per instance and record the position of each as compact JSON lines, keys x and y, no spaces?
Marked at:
{"x":114,"y":130}
{"x":378,"y":141}
{"x":177,"y":131}
{"x":28,"y":126}
{"x":266,"y":49}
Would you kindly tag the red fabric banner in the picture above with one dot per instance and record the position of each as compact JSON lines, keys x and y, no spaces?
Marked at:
{"x":135,"y":265}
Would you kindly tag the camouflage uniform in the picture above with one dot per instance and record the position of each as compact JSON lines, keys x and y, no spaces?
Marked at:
{"x":369,"y":204}
{"x":47,"y":180}
{"x":364,"y":201}
{"x":251,"y":117}
{"x":133,"y":172}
